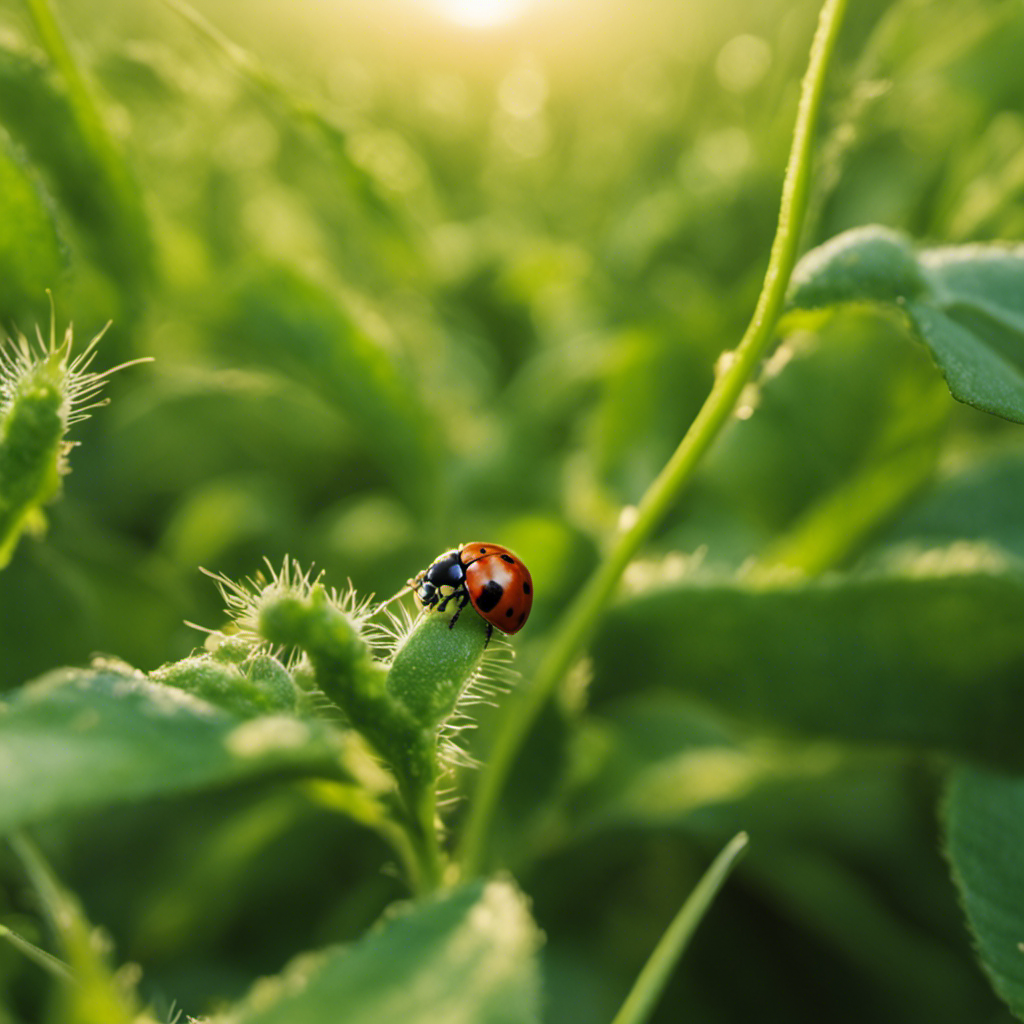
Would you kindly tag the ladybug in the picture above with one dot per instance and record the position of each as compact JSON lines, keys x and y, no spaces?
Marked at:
{"x":488,"y":576}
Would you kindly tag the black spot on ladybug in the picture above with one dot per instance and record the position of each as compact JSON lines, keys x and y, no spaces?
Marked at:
{"x":509,"y":559}
{"x":508,"y":612}
{"x":489,"y":596}
{"x":483,"y":551}
{"x":522,"y":618}
{"x":527,"y":589}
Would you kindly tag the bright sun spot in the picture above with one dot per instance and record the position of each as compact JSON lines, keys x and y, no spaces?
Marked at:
{"x":479,"y":13}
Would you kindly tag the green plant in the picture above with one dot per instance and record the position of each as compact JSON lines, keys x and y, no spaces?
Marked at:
{"x":803,"y":628}
{"x":43,"y":393}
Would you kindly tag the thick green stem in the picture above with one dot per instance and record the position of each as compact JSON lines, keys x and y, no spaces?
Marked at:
{"x":422,"y":806}
{"x":582,"y":616}
{"x":400,"y":709}
{"x":348,"y":675}
{"x":427,"y":676}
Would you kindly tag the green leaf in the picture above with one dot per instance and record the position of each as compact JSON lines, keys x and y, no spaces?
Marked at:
{"x":847,"y":423}
{"x":258,"y":686}
{"x":468,"y":957}
{"x":925,"y":651}
{"x":31,"y":254}
{"x":654,"y":759}
{"x":867,"y":264}
{"x":78,"y":738}
{"x":985,"y":845}
{"x":979,"y":502}
{"x":976,"y":374}
{"x":986,"y":278}
{"x":283,"y":319}
{"x":52,"y":112}
{"x":964,"y":303}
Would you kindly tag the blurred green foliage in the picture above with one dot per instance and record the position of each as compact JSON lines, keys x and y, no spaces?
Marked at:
{"x":408,"y":284}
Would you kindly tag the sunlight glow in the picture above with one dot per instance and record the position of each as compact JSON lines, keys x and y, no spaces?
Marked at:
{"x":479,"y":13}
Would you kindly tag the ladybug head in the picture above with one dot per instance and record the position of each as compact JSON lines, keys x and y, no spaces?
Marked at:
{"x":427,"y":592}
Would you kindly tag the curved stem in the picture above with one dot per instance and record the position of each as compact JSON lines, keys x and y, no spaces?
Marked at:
{"x":644,"y":995}
{"x":581,"y":618}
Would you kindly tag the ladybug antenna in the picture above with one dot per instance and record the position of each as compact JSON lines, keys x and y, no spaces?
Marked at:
{"x":394,"y":597}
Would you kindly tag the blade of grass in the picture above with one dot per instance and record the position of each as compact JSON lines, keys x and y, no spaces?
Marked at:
{"x":652,"y":979}
{"x":98,"y":994}
{"x":117,"y":201}
{"x":581,"y":618}
{"x":47,"y":961}
{"x":78,"y":89}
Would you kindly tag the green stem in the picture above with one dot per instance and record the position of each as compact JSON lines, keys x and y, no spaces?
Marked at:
{"x":651,"y":982}
{"x":359,"y":805}
{"x":47,"y":961}
{"x":53,"y":42}
{"x":580,"y":620}
{"x":419,"y":823}
{"x":428,"y":847}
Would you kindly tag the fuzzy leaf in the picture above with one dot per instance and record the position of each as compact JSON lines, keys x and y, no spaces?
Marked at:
{"x":975,"y":372}
{"x":986,"y":278}
{"x":79,"y":738}
{"x":868,"y":264}
{"x":964,"y":303}
{"x":985,"y":844}
{"x":927,"y":651}
{"x":466,"y":958}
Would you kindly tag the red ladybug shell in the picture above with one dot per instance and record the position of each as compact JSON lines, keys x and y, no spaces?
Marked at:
{"x":499,"y":585}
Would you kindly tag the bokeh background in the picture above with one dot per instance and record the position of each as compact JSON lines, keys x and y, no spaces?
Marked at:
{"x":415,"y":272}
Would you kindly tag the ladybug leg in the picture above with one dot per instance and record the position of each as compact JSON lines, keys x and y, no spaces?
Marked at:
{"x":490,"y":633}
{"x":463,"y":601}
{"x":461,"y":593}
